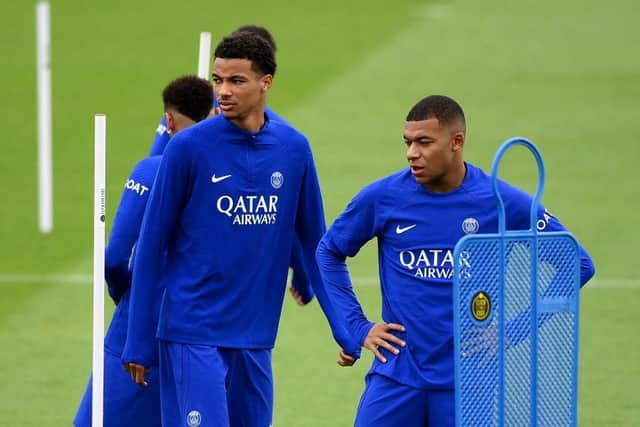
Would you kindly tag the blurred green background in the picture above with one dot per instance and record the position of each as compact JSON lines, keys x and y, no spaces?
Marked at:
{"x":565,"y":74}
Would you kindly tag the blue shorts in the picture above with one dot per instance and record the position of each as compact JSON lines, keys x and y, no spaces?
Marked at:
{"x":204,"y":386}
{"x":125,"y":403}
{"x":386,"y":403}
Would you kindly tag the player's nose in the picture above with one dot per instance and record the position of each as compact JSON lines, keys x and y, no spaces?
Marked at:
{"x":412,"y":152}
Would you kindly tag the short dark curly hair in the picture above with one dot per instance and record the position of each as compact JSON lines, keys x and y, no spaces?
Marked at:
{"x":258,"y":31}
{"x":190,"y":96}
{"x":441,"y":107}
{"x":247,"y":45}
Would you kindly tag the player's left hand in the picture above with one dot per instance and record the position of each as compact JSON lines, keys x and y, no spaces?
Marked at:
{"x":345,"y":360}
{"x":482,"y":339}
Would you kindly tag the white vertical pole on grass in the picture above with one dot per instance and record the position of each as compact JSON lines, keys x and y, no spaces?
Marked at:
{"x":204,"y":55}
{"x":45,"y":175}
{"x":100,"y":141}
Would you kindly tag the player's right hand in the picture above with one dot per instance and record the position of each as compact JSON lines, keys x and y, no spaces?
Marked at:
{"x":380,"y":336}
{"x":138,"y":372}
{"x":346,"y":360}
{"x":297,"y":296}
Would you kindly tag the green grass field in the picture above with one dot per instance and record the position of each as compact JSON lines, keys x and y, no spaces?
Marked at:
{"x":565,"y":74}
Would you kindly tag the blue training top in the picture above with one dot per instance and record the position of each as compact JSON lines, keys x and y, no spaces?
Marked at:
{"x":224,"y":207}
{"x":417,"y":231}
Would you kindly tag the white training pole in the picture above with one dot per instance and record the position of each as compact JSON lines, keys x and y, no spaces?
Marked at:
{"x":204,"y":56}
{"x":45,"y":176}
{"x":100,"y":141}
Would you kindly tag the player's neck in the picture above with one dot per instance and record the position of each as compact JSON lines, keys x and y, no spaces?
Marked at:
{"x":449,"y":182}
{"x":252,"y":122}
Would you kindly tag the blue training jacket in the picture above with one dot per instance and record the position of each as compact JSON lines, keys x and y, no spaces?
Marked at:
{"x":225,"y":207}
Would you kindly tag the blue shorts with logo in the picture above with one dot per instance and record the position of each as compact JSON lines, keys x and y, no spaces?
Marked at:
{"x":204,"y":386}
{"x":126,"y":404}
{"x":387,"y":403}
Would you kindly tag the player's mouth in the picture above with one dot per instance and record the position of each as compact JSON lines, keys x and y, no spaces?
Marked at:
{"x":416,"y":170}
{"x":226,"y":106}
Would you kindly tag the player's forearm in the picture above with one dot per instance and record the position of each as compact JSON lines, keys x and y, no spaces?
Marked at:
{"x":300,"y":278}
{"x":335,"y":275}
{"x":118,"y":278}
{"x":587,"y":269}
{"x":141,"y":344}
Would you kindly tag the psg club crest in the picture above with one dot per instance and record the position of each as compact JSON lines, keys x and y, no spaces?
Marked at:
{"x":470,"y":226}
{"x":277,"y":179}
{"x":194,"y":419}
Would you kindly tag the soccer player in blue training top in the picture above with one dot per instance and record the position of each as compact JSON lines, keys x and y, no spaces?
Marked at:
{"x":230,"y":195}
{"x":300,"y":289}
{"x":418,"y":215}
{"x":187,"y":100}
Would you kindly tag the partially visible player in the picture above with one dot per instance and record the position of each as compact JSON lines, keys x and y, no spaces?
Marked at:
{"x":230,"y":195}
{"x":187,"y":100}
{"x":417,"y":216}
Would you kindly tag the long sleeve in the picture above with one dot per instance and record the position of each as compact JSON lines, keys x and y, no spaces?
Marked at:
{"x":160,"y":139}
{"x":166,"y":201}
{"x":351,"y":230}
{"x":518,"y":328}
{"x":126,"y":226}
{"x":547,"y":223}
{"x":335,"y":275}
{"x":310,"y":226}
{"x":300,"y":277}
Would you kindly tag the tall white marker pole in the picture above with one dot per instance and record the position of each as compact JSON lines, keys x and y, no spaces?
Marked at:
{"x":100,"y":141}
{"x":204,"y":56}
{"x":45,"y":175}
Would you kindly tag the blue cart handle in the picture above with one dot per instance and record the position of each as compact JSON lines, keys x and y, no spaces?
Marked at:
{"x":535,"y":203}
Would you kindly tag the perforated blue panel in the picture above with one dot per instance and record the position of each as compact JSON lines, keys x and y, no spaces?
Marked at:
{"x":516,"y":313}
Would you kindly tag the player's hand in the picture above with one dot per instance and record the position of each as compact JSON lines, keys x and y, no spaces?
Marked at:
{"x":214,"y":111}
{"x":297,"y":296}
{"x":380,"y":336}
{"x":345,"y":360}
{"x":482,"y":340}
{"x":138,"y":372}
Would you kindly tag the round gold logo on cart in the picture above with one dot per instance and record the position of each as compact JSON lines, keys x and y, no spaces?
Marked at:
{"x":480,"y":306}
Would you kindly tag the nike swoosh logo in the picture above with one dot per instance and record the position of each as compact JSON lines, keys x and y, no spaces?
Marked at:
{"x":400,"y":230}
{"x":216,"y":179}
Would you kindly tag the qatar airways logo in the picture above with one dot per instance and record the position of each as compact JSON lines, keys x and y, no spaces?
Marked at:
{"x":162,"y":129}
{"x":136,"y":187}
{"x":432,"y":263}
{"x":249,"y":210}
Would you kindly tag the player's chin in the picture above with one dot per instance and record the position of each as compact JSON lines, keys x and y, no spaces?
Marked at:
{"x":421,"y":178}
{"x":229,"y":114}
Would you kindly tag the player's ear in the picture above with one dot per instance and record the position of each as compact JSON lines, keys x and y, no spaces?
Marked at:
{"x":457,"y":141}
{"x":171,"y":123}
{"x":266,"y":82}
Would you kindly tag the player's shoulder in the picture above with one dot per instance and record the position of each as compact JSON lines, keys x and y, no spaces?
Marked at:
{"x":202,"y":129}
{"x":189,"y":139}
{"x":146,"y":168}
{"x":286,"y":133}
{"x":481,"y":184}
{"x":273,"y":116}
{"x":388,"y":186}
